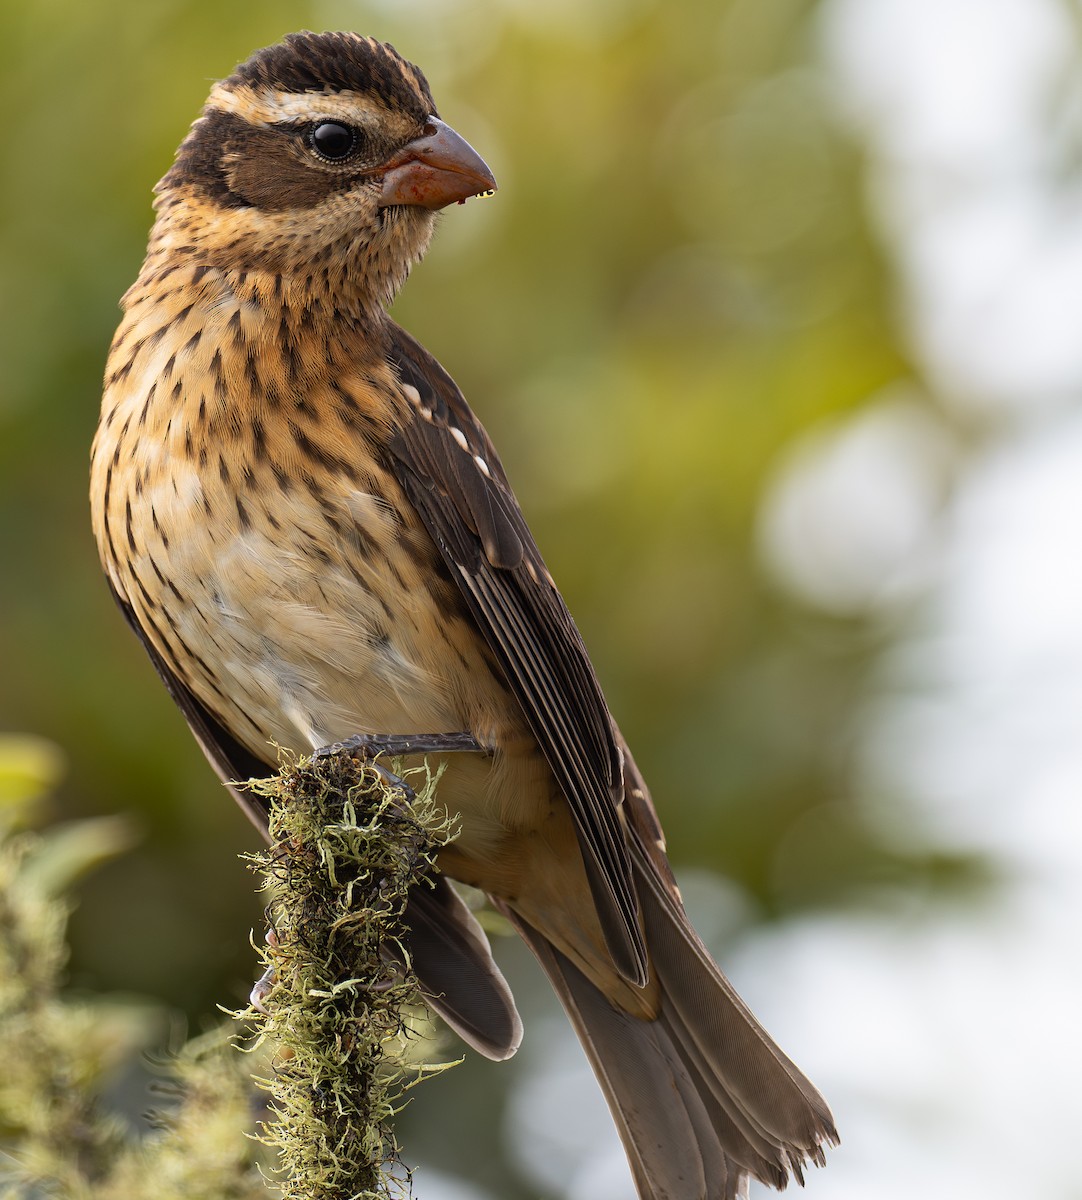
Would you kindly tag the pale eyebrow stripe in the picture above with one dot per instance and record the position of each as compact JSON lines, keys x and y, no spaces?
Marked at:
{"x":267,"y":106}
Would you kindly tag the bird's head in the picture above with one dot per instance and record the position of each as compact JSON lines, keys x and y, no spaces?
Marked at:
{"x":321,"y":153}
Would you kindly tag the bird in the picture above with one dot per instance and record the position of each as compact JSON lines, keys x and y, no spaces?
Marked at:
{"x":317,"y":544}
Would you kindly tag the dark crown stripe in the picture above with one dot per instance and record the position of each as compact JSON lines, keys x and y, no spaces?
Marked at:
{"x":337,"y":62}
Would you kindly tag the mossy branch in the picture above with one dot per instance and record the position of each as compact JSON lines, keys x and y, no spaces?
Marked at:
{"x":348,"y":842}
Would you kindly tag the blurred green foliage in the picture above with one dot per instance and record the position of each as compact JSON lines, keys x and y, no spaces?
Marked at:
{"x":675,"y":280}
{"x":60,"y":1051}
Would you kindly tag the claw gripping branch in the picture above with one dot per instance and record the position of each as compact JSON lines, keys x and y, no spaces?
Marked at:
{"x":348,"y":842}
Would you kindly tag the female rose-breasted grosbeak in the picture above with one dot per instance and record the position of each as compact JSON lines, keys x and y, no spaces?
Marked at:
{"x":314,"y":538}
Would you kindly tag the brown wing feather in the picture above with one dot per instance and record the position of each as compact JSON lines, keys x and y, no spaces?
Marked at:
{"x":451,"y":473}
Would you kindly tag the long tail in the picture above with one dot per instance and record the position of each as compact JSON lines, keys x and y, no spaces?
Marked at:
{"x":701,"y":1096}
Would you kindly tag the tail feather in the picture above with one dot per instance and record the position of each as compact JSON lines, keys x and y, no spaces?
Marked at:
{"x":749,"y":1153}
{"x":457,"y":973}
{"x":762,"y":1090}
{"x":702,"y":1097}
{"x":667,"y":1131}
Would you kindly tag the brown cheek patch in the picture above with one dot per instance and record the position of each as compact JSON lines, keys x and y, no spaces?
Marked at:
{"x":267,"y":174}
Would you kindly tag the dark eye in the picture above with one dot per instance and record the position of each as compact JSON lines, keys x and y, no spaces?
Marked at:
{"x":331,"y":140}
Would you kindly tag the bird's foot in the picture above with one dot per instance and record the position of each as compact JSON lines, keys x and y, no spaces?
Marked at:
{"x":368,"y":746}
{"x":261,"y":989}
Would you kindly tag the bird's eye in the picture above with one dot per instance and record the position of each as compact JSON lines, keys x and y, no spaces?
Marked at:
{"x":332,"y":140}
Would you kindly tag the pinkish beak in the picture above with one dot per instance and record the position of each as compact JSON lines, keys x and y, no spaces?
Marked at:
{"x":435,"y":170}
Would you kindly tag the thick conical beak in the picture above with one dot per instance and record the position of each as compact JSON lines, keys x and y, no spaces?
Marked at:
{"x":435,"y":170}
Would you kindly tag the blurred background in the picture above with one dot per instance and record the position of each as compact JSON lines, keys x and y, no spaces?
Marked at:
{"x":775,"y":322}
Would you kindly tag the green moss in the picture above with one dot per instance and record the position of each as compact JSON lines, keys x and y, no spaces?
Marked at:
{"x":347,"y":845}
